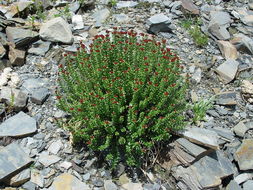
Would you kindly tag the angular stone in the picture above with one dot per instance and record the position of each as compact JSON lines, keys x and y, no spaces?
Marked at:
{"x":125,"y":4}
{"x":56,"y":30}
{"x":224,"y":134}
{"x":29,"y":186}
{"x":226,"y":98}
{"x":37,"y":178}
{"x":243,"y":43}
{"x":21,"y":37}
{"x":190,"y":148}
{"x":55,"y":147}
{"x":189,"y":6}
{"x":247,"y":90}
{"x":201,"y":136}
{"x":121,"y":18}
{"x":20,"y":178}
{"x":206,"y":173}
{"x":241,"y":178}
{"x":218,"y":31}
{"x":227,"y":49}
{"x":66,"y":165}
{"x":244,"y":155}
{"x":228,"y":70}
{"x":131,"y":186}
{"x":233,"y":186}
{"x":12,"y":160}
{"x":109,"y":185}
{"x":159,"y":23}
{"x":16,"y":99}
{"x":77,"y":21}
{"x":48,"y":160}
{"x":248,"y":185}
{"x":220,"y":17}
{"x":40,"y":95}
{"x":100,"y":16}
{"x":68,"y":182}
{"x":16,"y":57}
{"x":39,"y":48}
{"x":240,"y":129}
{"x":18,"y":125}
{"x":2,"y":51}
{"x":17,"y":8}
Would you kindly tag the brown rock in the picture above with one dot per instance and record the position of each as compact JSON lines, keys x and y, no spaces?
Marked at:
{"x":17,"y":8}
{"x":227,"y":49}
{"x":247,"y":90}
{"x":16,"y":57}
{"x":189,"y":6}
{"x":244,"y":155}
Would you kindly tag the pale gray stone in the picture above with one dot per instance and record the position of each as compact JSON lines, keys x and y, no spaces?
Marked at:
{"x":2,"y":51}
{"x":48,"y":160}
{"x":18,"y":125}
{"x":12,"y":158}
{"x":222,"y":18}
{"x":39,"y":48}
{"x":248,"y":185}
{"x":100,"y":16}
{"x":226,"y":98}
{"x":241,"y":178}
{"x":109,"y":185}
{"x":218,"y":31}
{"x":240,"y":129}
{"x":228,"y":70}
{"x":21,"y":37}
{"x":37,"y":178}
{"x":56,"y":30}
{"x":55,"y":147}
{"x":125,"y":4}
{"x":243,"y":43}
{"x":159,"y":23}
{"x":40,"y":95}
{"x":233,"y":186}
{"x":201,"y":136}
{"x":77,"y":21}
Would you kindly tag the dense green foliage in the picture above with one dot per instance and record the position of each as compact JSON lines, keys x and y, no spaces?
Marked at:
{"x":124,"y":92}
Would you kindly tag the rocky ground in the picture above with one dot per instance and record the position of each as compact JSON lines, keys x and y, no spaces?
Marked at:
{"x":213,"y":154}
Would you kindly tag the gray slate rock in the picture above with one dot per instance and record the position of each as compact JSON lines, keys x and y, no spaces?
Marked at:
{"x":240,"y":129}
{"x":12,"y":158}
{"x":29,"y":186}
{"x":201,"y":136}
{"x":241,"y":178}
{"x":20,"y":178}
{"x":226,"y":98}
{"x":48,"y":160}
{"x":233,"y":186}
{"x":13,"y":97}
{"x":227,"y":70}
{"x":159,"y":23}
{"x":218,"y":31}
{"x":248,"y":185}
{"x":125,"y":4}
{"x":18,"y":125}
{"x":39,"y":48}
{"x":16,"y":57}
{"x":21,"y":37}
{"x":100,"y":16}
{"x":109,"y":185}
{"x":244,"y":155}
{"x":207,"y":172}
{"x":40,"y":95}
{"x":56,"y":30}
{"x":2,"y":51}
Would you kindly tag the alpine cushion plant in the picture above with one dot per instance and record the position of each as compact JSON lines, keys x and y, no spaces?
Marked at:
{"x":125,"y":94}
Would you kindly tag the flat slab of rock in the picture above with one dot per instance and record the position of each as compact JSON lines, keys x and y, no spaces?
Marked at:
{"x":16,"y":57}
{"x":226,"y":98}
{"x":56,"y":30}
{"x":21,"y":37}
{"x":48,"y":160}
{"x":124,"y":4}
{"x":247,"y":90}
{"x":20,"y":178}
{"x":12,"y":159}
{"x":2,"y":51}
{"x":244,"y":155}
{"x":243,"y":43}
{"x":228,"y":70}
{"x":240,"y":129}
{"x":18,"y":125}
{"x":68,"y":182}
{"x":201,"y":136}
{"x":39,"y":48}
{"x":206,"y":173}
